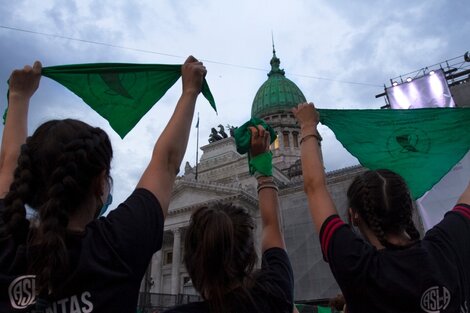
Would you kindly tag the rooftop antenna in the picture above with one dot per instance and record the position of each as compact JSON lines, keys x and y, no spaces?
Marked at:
{"x":272,"y":40}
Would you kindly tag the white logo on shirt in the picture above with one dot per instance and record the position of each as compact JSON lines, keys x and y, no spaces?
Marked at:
{"x":22,"y":294}
{"x":435,"y":299}
{"x":464,"y":308}
{"x":22,"y":291}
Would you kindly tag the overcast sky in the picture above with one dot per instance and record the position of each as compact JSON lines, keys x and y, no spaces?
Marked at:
{"x":339,"y":53}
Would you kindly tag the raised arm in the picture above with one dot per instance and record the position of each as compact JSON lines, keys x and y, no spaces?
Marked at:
{"x":23,"y":84}
{"x":170,"y":148}
{"x":267,"y":195}
{"x":319,"y":199}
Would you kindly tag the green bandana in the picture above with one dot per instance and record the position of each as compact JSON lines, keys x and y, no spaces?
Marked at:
{"x":421,"y":145}
{"x":121,"y":93}
{"x":261,"y":163}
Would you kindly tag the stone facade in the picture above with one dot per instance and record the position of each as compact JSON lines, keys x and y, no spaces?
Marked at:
{"x":223,"y":176}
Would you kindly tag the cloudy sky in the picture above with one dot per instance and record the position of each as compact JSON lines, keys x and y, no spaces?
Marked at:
{"x":340,"y":54}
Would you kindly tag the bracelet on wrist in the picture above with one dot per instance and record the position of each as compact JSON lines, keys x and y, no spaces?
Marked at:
{"x":317,"y":137}
{"x":268,"y":185}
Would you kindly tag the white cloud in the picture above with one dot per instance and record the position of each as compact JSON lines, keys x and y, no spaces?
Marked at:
{"x":367,"y":42}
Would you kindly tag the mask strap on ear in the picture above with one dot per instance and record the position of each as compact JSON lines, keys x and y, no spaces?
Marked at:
{"x":105,"y":206}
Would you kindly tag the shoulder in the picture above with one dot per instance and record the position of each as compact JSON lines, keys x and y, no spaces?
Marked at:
{"x":463,"y":209}
{"x":275,"y":281}
{"x":140,"y":204}
{"x":338,"y":241}
{"x":451,"y":234}
{"x":455,"y":223}
{"x":275,"y":253}
{"x":277,"y":260}
{"x":142,"y":195}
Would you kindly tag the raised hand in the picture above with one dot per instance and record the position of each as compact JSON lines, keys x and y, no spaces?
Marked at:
{"x":193,"y":73}
{"x":24,"y":82}
{"x":260,"y":139}
{"x":306,"y":115}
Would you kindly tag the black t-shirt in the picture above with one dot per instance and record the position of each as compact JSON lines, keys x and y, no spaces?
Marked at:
{"x":108,"y":261}
{"x":431,"y":275}
{"x":273,"y":291}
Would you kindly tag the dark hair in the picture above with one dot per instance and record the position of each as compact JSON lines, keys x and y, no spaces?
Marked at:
{"x":219,"y":254}
{"x":57,"y":173}
{"x":382,"y":199}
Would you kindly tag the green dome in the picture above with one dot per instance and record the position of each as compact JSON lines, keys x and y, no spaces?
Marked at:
{"x":278,"y":94}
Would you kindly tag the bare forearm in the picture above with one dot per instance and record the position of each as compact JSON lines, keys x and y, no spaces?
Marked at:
{"x":14,"y":135}
{"x":319,"y":200}
{"x":269,"y":211}
{"x":171,"y":146}
{"x":312,"y":165}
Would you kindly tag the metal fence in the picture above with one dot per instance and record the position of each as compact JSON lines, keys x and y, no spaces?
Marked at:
{"x":156,"y":302}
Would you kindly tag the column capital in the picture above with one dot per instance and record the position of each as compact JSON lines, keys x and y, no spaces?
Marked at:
{"x":176,"y":230}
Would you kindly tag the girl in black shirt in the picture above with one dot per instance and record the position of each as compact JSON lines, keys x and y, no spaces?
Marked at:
{"x":66,"y":260}
{"x":391,"y":270}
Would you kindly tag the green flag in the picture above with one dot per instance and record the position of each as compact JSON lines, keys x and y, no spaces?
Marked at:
{"x":121,"y":93}
{"x":421,"y":145}
{"x":323,"y":309}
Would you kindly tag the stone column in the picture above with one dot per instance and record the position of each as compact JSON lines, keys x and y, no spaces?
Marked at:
{"x":175,"y":266}
{"x":291,"y":140}
{"x":280,"y":135}
{"x":157,"y":272}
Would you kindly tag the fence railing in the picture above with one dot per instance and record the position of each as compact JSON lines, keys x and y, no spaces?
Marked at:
{"x":156,"y":302}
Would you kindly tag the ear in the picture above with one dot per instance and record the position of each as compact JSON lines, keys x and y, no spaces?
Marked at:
{"x":353,"y":217}
{"x":100,"y":184}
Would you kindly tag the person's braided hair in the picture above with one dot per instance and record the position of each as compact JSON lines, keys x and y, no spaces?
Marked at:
{"x":14,"y":216}
{"x":67,"y":158}
{"x":382,"y":199}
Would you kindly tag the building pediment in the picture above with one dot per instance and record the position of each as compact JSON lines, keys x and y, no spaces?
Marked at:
{"x":190,"y":193}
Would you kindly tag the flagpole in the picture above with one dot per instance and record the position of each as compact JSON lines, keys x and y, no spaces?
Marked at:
{"x":197,"y":144}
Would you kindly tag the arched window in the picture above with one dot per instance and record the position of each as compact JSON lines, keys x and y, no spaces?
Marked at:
{"x":285,"y":136}
{"x":275,"y":144}
{"x":295,"y":138}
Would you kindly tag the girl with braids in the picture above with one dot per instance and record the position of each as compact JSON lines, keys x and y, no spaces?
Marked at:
{"x":392,"y":270}
{"x":220,"y":256}
{"x":67,"y":260}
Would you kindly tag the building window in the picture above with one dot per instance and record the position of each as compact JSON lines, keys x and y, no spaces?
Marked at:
{"x":285,"y":136}
{"x":295,"y":139}
{"x":168,"y":257}
{"x":275,"y":144}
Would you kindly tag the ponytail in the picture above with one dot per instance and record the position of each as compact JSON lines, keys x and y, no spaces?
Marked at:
{"x":220,"y":255}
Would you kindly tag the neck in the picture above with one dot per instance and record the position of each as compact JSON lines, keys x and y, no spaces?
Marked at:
{"x":399,"y":239}
{"x":82,"y":216}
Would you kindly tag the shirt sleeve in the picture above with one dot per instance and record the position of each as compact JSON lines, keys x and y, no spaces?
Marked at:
{"x":453,"y":231}
{"x":134,"y":229}
{"x":348,"y":255}
{"x":276,"y":262}
{"x":2,"y":210}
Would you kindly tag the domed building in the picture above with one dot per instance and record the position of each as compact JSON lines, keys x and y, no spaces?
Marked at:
{"x":273,"y":103}
{"x":223,"y":176}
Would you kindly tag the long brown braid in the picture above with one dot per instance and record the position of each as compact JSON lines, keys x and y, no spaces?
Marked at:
{"x":56,"y":172}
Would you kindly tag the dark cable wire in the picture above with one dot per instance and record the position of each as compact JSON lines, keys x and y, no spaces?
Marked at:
{"x":178,"y":56}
